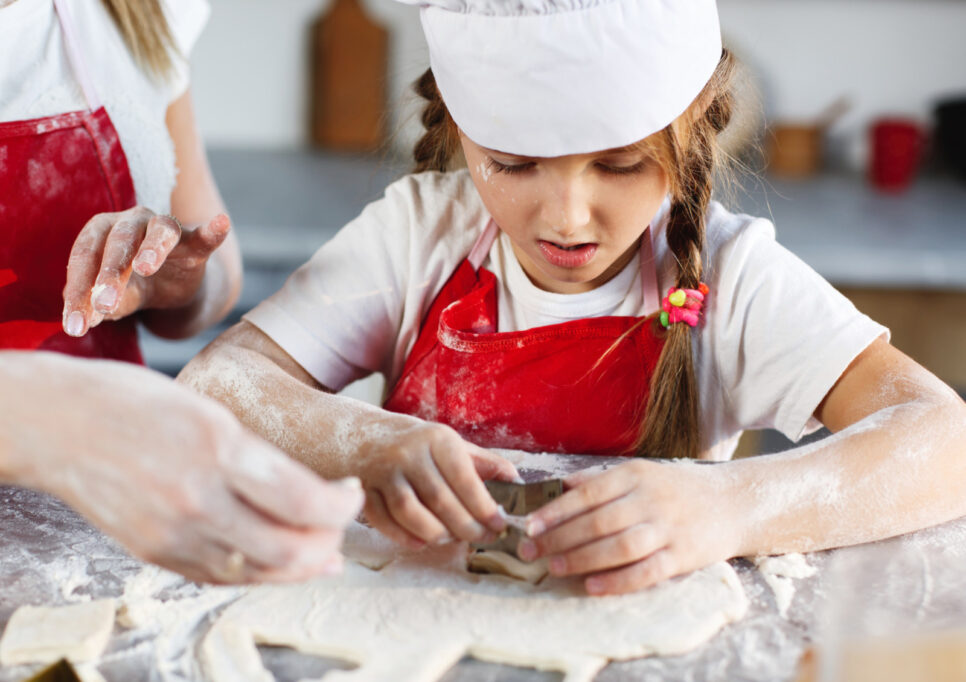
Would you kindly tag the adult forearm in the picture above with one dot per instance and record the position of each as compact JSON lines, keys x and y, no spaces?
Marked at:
{"x":890,"y":473}
{"x":51,"y":405}
{"x":15,"y":413}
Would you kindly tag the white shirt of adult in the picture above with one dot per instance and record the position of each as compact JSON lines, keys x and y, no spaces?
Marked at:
{"x":37,"y":80}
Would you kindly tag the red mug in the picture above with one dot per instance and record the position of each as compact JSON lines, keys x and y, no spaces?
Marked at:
{"x":897,"y":146}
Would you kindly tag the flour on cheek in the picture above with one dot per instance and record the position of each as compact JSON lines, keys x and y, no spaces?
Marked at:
{"x":484,"y":171}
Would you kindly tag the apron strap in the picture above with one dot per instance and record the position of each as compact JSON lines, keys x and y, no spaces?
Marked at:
{"x":483,"y":243}
{"x":649,"y":286}
{"x":76,"y":56}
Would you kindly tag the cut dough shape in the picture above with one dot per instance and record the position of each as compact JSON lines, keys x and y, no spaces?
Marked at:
{"x":500,"y":563}
{"x":43,"y":634}
{"x":88,"y":672}
{"x":418,"y":616}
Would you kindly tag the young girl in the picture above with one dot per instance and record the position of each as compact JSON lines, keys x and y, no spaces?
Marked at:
{"x":107,"y":205}
{"x":575,"y":290}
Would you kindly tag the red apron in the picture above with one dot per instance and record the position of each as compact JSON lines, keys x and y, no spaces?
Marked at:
{"x":55,"y":174}
{"x":579,"y":387}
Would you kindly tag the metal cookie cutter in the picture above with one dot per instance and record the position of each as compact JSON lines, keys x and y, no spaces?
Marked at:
{"x":518,"y":500}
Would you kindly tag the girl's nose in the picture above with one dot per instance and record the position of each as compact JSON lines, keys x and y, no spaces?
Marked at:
{"x":567,"y":208}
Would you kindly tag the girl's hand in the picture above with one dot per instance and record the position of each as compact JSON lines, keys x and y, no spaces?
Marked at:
{"x":635,"y":525}
{"x":425,"y":485}
{"x":124,"y":262}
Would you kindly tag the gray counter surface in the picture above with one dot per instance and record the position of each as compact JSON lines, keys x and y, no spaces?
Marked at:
{"x":854,"y":235}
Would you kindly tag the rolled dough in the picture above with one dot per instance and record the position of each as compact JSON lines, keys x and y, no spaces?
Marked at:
{"x":422,"y":612}
{"x":43,"y":634}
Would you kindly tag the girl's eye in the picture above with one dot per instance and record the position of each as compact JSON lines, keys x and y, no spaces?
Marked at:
{"x":509,"y":169}
{"x":623,"y":170}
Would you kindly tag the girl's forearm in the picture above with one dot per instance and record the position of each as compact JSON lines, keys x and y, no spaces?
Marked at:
{"x":322,"y":430}
{"x":898,"y":470}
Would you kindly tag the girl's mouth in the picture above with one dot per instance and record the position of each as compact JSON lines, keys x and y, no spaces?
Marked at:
{"x":567,"y":255}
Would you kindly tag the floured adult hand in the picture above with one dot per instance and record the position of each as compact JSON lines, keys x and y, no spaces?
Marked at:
{"x":635,"y":525}
{"x":134,"y":260}
{"x":173,"y":476}
{"x":424,"y":484}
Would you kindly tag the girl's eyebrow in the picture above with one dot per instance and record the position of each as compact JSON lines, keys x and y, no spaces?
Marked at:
{"x":510,"y":154}
{"x":626,"y":149}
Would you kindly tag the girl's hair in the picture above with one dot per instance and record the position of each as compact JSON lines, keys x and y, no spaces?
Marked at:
{"x":687,"y":151}
{"x":146,"y":33}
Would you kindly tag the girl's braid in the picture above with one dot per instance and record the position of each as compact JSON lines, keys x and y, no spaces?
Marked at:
{"x":436,"y":147}
{"x":671,"y":424}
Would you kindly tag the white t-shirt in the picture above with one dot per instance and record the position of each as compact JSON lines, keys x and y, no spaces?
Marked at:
{"x":775,"y":337}
{"x":37,"y":80}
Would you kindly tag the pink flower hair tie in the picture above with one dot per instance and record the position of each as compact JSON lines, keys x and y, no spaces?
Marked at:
{"x":683,"y":305}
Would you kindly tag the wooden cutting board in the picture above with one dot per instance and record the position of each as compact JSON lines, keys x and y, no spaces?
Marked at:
{"x":348,"y":99}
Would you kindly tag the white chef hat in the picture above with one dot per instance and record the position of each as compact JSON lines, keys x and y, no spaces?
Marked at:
{"x":555,"y":77}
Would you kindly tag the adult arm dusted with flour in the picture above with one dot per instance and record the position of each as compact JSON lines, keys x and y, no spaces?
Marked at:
{"x":576,"y":289}
{"x":174,"y":260}
{"x":110,"y":212}
{"x":172,"y":476}
{"x":181,"y":271}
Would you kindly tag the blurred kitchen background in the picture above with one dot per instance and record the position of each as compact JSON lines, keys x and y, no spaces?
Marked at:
{"x":852,"y":130}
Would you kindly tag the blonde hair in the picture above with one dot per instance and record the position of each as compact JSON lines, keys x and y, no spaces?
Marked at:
{"x":687,"y":150}
{"x":146,"y":33}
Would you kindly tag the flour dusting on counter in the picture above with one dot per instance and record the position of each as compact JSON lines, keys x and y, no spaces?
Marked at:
{"x":177,"y":621}
{"x":779,"y":572}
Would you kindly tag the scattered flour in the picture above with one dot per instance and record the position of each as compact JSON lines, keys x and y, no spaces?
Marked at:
{"x":175,"y":621}
{"x":138,"y":605}
{"x":71,"y":575}
{"x":779,"y":571}
{"x":543,"y":465}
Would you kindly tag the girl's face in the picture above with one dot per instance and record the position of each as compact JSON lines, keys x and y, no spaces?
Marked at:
{"x":574,"y":221}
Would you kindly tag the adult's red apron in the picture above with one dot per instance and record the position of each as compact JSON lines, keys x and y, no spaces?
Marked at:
{"x":55,"y":174}
{"x":578,"y":387}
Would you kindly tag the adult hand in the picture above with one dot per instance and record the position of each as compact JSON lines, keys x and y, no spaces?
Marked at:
{"x":170,"y":474}
{"x":635,"y":525}
{"x":124,"y":262}
{"x":424,"y":484}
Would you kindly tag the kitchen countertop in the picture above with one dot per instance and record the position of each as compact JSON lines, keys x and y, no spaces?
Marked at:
{"x":856,"y":236}
{"x":912,"y":583}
